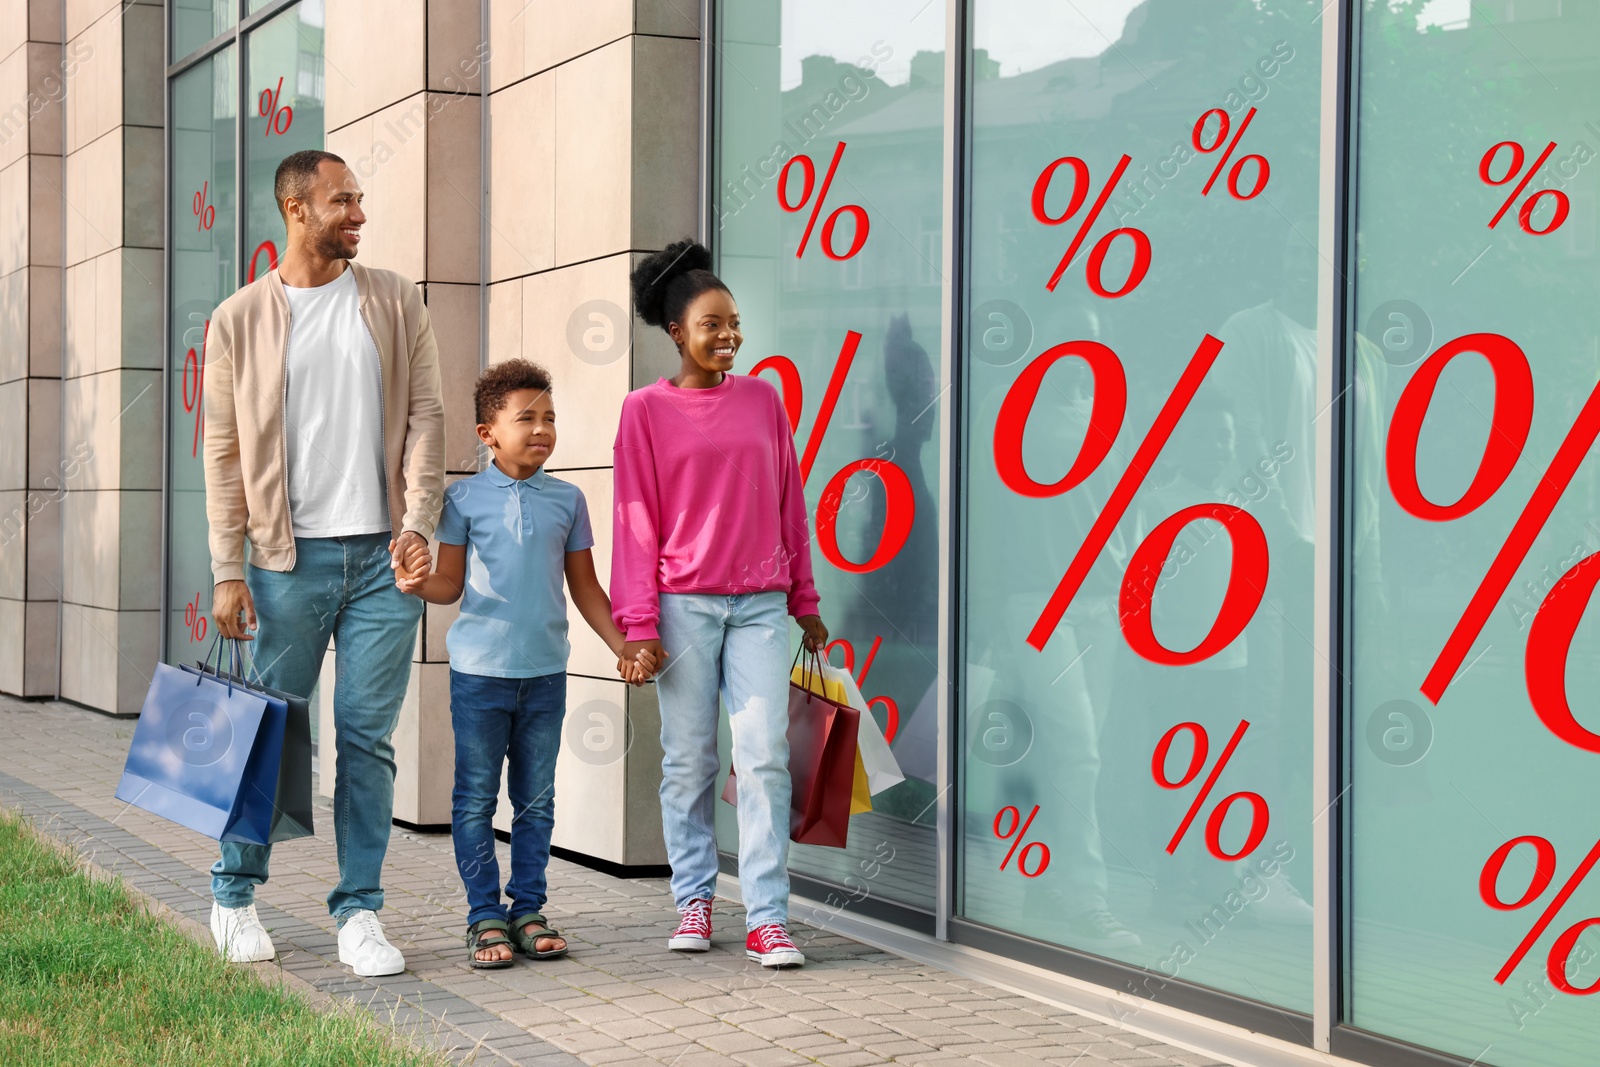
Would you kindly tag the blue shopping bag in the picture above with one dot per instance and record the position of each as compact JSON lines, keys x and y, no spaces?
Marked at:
{"x":206,"y":754}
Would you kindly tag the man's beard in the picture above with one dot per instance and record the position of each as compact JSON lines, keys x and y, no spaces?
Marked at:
{"x":327,"y":242}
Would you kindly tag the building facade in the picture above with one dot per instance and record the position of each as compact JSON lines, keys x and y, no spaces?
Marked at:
{"x":1228,"y":628}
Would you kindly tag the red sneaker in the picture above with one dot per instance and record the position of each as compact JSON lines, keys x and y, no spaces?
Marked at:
{"x":770,"y":945}
{"x":694,"y":928}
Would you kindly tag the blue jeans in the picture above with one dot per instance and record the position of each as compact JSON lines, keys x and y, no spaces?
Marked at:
{"x":343,"y":588}
{"x":499,"y":720}
{"x":737,"y":646}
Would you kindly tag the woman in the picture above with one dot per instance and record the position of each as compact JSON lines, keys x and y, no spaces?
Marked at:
{"x":710,"y":552}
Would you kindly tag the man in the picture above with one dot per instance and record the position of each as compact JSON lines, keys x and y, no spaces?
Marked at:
{"x":325,"y":450}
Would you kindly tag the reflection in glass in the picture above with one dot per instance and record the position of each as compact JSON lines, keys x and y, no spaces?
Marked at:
{"x":194,"y":22}
{"x":286,"y":107}
{"x":1436,"y":791}
{"x":862,"y":88}
{"x":1072,"y":727}
{"x":202,"y":262}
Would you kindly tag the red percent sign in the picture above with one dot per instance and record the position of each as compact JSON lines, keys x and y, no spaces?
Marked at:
{"x":900,"y":506}
{"x":890,"y":708}
{"x":1525,"y":215}
{"x":205,"y":214}
{"x":279,"y":119}
{"x":272,"y":258}
{"x":809,"y":172}
{"x":1263,"y":168}
{"x":1260,"y":816}
{"x":1247,"y":578}
{"x":195,"y":619}
{"x":1543,"y":874}
{"x":194,"y":374}
{"x":1097,"y":255}
{"x":1555,"y":623}
{"x":1019,"y":831}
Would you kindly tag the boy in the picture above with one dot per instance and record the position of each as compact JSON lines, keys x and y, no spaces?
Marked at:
{"x":507,"y":535}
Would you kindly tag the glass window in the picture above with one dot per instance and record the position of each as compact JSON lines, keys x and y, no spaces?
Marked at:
{"x":203,"y":208}
{"x":285,"y":99}
{"x":194,"y":22}
{"x":828,"y":231}
{"x":1472,"y":721}
{"x":1139,"y":376}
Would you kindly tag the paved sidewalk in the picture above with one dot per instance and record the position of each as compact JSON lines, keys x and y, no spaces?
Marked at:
{"x":620,"y":998}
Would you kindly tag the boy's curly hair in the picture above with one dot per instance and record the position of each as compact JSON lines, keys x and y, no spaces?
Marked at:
{"x":502,"y":379}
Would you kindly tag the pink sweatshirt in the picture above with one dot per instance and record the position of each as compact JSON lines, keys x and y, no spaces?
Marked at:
{"x":707,"y":500}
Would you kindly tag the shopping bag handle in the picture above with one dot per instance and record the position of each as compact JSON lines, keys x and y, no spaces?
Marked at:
{"x":237,"y":664}
{"x":806,"y":667}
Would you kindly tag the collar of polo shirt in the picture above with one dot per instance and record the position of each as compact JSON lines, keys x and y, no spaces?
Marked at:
{"x":501,"y":478}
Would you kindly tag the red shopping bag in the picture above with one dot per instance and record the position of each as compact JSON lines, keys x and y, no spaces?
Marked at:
{"x":822,"y":767}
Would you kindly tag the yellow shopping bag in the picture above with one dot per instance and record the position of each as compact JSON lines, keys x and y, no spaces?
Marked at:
{"x":833,"y":689}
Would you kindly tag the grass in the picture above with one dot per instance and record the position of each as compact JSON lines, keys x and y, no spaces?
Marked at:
{"x":89,"y":977}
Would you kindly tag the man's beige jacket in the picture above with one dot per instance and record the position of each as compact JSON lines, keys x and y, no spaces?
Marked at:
{"x":246,"y":452}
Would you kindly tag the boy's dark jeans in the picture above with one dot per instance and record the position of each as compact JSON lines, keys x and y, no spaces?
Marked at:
{"x":495,"y":720}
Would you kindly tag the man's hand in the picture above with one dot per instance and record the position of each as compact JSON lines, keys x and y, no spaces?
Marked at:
{"x":408,"y":556}
{"x":230,"y":600}
{"x":640,"y":659}
{"x":816,"y":639}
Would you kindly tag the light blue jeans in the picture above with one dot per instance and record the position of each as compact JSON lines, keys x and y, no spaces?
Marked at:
{"x":737,"y":646}
{"x":343,"y":588}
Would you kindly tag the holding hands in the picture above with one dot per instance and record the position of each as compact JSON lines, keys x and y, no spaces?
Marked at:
{"x":410,"y":560}
{"x":638,"y":661}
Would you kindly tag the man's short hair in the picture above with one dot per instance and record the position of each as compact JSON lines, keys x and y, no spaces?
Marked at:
{"x":294,"y":176}
{"x":503,"y":379}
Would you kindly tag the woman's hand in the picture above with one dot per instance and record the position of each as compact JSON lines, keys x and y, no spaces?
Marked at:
{"x":646,"y":655}
{"x":816,"y":638}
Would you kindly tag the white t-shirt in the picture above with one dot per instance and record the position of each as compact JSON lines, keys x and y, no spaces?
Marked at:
{"x":334,"y":415}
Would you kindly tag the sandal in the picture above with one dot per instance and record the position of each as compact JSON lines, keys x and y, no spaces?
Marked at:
{"x":478,"y":938}
{"x":527,"y":944}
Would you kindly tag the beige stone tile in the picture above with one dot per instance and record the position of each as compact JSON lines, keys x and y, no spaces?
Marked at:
{"x":436,"y":622}
{"x":44,"y":433}
{"x":42,"y":570}
{"x":44,"y":208}
{"x":654,"y":354}
{"x":41,"y":654}
{"x":92,"y":527}
{"x":107,"y":657}
{"x":142,"y":66}
{"x":47,"y":91}
{"x":593,"y":141}
{"x":454,"y":218}
{"x":14,"y":530}
{"x":505,"y":320}
{"x":457,"y":48}
{"x":522,"y":179}
{"x":389,"y":153}
{"x":574,"y":322}
{"x":413,"y":803}
{"x":555,"y":32}
{"x":83,"y":322}
{"x":362,"y":79}
{"x":14,"y":217}
{"x":94,"y":96}
{"x":44,"y":321}
{"x":13,"y":444}
{"x":81,"y":14}
{"x":44,"y":20}
{"x":454,"y":311}
{"x":13,"y":26}
{"x":667,"y":18}
{"x":12,"y":614}
{"x":138,"y":279}
{"x":94,"y":198}
{"x":590,"y":654}
{"x":144,"y":173}
{"x":666,"y":140}
{"x":507,"y":42}
{"x":114,"y":420}
{"x":590,"y":769}
{"x":14,"y":314}
{"x":14,"y":91}
{"x":644,"y":843}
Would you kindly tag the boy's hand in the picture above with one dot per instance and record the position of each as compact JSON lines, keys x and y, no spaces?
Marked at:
{"x":638,"y":670}
{"x":410,"y":559}
{"x":647,"y":656}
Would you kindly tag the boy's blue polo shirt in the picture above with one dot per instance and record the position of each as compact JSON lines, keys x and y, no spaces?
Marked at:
{"x":513,"y":621}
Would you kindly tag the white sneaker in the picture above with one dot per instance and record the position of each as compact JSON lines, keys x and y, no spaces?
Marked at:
{"x":239,"y":934}
{"x":364,"y":949}
{"x":1283,"y":902}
